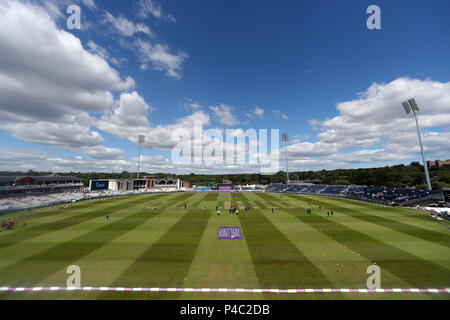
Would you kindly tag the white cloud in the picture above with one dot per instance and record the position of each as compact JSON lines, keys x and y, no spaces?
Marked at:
{"x":160,"y":137}
{"x":224,"y":114}
{"x":53,"y":9}
{"x":68,"y":136}
{"x":129,"y":118}
{"x":48,"y":93}
{"x":160,"y":57}
{"x":101,"y":152}
{"x":90,"y":4}
{"x":377,"y":125}
{"x":156,"y":55}
{"x":277,"y":114}
{"x":126,"y":27}
{"x":51,"y":94}
{"x":57,"y":8}
{"x":259,"y":112}
{"x":148,"y":8}
{"x":103,"y":53}
{"x":44,"y":161}
{"x":129,"y":113}
{"x":195,"y":106}
{"x":190,"y":105}
{"x":57,"y":77}
{"x":11,"y":155}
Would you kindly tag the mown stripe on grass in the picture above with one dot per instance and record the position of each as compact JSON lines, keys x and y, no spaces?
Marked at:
{"x":168,"y":260}
{"x":46,"y":240}
{"x":408,"y":267}
{"x":105,"y":265}
{"x":202,"y":269}
{"x":63,"y":254}
{"x":31,"y":214}
{"x":211,"y":197}
{"x":197,"y":203}
{"x":192,"y":200}
{"x":410,"y":216}
{"x":340,"y":264}
{"x":36,"y":231}
{"x":399,"y":211}
{"x":415,"y":231}
{"x":278,"y":263}
{"x":64,"y":209}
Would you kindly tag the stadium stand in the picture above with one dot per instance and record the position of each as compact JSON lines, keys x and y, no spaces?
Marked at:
{"x":12,"y":186}
{"x":382,"y":195}
{"x":14,"y":204}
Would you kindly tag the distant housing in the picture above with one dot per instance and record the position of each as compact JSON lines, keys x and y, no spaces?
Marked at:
{"x":35,"y":185}
{"x":438,"y":163}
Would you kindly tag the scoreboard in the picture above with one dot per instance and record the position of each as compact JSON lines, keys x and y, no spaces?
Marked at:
{"x":99,"y":185}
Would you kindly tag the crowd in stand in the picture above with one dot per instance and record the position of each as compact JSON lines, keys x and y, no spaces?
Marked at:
{"x":37,"y":201}
{"x":384,"y":195}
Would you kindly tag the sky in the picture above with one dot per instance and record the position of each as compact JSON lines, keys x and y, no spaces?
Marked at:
{"x":77,"y":99}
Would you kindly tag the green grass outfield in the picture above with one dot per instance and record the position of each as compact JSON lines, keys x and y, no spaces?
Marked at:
{"x":173,"y":247}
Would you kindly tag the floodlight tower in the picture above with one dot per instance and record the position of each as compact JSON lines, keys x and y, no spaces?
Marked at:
{"x":285,"y":141}
{"x":141,"y":140}
{"x":412,"y":105}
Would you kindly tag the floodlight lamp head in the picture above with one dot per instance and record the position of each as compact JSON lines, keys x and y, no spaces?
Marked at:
{"x":406,"y":107}
{"x":413,"y":104}
{"x":141,"y":139}
{"x":285,"y":138}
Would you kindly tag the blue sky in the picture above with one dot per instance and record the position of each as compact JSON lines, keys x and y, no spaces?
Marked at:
{"x":309,"y":68}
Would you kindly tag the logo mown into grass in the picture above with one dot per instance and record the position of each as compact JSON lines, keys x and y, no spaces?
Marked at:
{"x":230,"y":233}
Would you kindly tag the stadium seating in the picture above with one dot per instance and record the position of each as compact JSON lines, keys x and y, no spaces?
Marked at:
{"x":13,"y":204}
{"x":383,"y":195}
